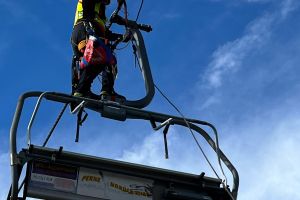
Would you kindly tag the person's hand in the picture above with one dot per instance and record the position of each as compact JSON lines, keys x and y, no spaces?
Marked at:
{"x":89,"y":28}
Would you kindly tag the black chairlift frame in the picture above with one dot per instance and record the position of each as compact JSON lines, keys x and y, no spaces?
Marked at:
{"x":130,"y":110}
{"x":106,"y":108}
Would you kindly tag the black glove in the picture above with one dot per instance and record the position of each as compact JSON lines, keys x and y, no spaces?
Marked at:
{"x":89,"y":28}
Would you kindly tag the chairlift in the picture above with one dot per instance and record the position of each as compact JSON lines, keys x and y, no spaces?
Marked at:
{"x":59,"y":174}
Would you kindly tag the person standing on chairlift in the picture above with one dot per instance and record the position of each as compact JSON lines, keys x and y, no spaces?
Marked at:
{"x":92,"y":55}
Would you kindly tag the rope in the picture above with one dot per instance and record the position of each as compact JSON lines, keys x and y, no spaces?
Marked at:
{"x":194,"y":137}
{"x":138,"y":14}
{"x":199,"y":146}
{"x":55,"y":124}
{"x":188,"y":124}
{"x":125,"y":46}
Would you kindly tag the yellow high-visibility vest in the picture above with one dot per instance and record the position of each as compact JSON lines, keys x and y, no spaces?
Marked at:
{"x":97,"y":10}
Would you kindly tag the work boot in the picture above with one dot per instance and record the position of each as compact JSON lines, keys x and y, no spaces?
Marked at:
{"x":77,"y":94}
{"x":112,"y":96}
{"x":73,"y":105}
{"x":89,"y":95}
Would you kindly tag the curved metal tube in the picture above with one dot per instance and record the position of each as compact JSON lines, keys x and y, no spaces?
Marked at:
{"x":147,"y":115}
{"x":146,"y":72}
{"x":13,"y":143}
{"x":225,"y":160}
{"x":33,"y":117}
{"x":131,"y":113}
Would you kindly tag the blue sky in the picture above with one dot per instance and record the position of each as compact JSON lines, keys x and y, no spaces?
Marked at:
{"x":234,"y":63}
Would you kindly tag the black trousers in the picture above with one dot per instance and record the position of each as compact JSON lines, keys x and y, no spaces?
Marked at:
{"x":83,"y":82}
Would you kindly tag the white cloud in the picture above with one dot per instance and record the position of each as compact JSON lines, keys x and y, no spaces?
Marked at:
{"x":265,"y":155}
{"x":213,"y":99}
{"x":183,"y":153}
{"x":288,"y":6}
{"x":229,"y":58}
{"x":268,"y":164}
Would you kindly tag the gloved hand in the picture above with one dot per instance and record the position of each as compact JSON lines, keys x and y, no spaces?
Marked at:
{"x":89,"y":28}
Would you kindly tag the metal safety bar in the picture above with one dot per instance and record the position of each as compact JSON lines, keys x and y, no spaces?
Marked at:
{"x":37,"y":106}
{"x":98,"y":106}
{"x":145,"y":70}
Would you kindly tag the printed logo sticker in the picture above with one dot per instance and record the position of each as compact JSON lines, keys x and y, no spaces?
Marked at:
{"x":91,"y":183}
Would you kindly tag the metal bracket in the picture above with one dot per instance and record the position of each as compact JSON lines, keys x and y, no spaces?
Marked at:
{"x":167,"y":124}
{"x":14,"y":159}
{"x":165,"y":132}
{"x":81,"y":105}
{"x":79,"y":110}
{"x":56,"y":154}
{"x":80,"y":120}
{"x":37,"y":106}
